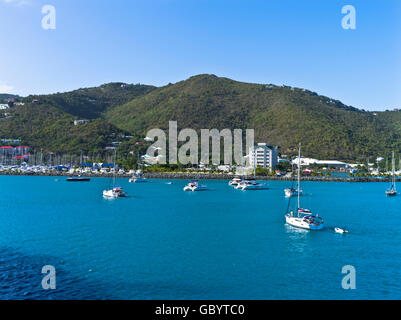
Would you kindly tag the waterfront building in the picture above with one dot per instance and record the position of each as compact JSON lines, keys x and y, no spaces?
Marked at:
{"x":327,"y":163}
{"x":265,"y":156}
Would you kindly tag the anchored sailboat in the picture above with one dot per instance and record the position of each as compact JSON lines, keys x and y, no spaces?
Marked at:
{"x":392,"y":191}
{"x":115,"y":191}
{"x":303,"y":218}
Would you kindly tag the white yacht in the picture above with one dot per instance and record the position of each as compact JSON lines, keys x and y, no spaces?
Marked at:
{"x":292,"y":192}
{"x":235,"y":181}
{"x":303,"y":218}
{"x":138,"y":177}
{"x":194,"y":186}
{"x":251,"y":185}
{"x":116,"y":192}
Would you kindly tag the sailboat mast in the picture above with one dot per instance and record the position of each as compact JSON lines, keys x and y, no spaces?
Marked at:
{"x":299,"y":173}
{"x":393,"y":165}
{"x":114,"y":167}
{"x":254,"y":162}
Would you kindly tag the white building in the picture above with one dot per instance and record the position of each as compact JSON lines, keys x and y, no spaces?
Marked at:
{"x":304,"y":161}
{"x":77,"y":122}
{"x":327,"y":163}
{"x":4,"y":106}
{"x":265,"y":155}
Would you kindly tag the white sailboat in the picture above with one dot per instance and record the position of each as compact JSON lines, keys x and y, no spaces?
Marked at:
{"x":392,"y":191}
{"x":115,"y":191}
{"x":303,"y":218}
{"x":293,"y":192}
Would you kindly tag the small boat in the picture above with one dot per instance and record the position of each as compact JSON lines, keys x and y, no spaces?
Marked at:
{"x":251,"y":185}
{"x":250,"y":182}
{"x":116,"y":192}
{"x":392,"y":192}
{"x":291,"y":192}
{"x":78,"y":179}
{"x":339,"y":230}
{"x":169,"y":182}
{"x":138,"y":177}
{"x":235,"y":181}
{"x":304,"y":218}
{"x":194,"y":186}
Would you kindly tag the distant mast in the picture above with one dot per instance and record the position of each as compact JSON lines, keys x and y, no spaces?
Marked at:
{"x":299,"y":173}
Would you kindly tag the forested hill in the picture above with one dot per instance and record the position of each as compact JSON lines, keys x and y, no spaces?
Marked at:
{"x":89,"y":103}
{"x":280,"y":115}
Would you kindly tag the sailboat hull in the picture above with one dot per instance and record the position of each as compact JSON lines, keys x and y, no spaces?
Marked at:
{"x":391,"y":193}
{"x":301,"y":223}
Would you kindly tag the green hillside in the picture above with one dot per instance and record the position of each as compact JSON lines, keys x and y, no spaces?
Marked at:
{"x":45,"y":126}
{"x":280,"y":115}
{"x":89,"y":103}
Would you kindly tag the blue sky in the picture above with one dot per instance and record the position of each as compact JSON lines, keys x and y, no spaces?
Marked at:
{"x":292,"y":42}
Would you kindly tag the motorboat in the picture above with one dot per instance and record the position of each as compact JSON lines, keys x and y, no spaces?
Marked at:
{"x":251,"y":185}
{"x":235,"y":181}
{"x":78,"y":179}
{"x":138,"y":177}
{"x":292,"y":192}
{"x":194,"y":186}
{"x":339,"y":230}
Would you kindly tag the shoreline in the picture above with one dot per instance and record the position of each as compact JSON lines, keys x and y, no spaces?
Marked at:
{"x":208,"y":176}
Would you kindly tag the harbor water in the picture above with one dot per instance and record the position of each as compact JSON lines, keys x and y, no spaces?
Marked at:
{"x":164,"y":243}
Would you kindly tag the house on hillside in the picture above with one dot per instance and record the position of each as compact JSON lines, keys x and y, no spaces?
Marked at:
{"x":4,"y":106}
{"x":78,"y":122}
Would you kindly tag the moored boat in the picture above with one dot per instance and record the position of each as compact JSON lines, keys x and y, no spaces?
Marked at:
{"x":138,"y":177}
{"x":194,"y":186}
{"x":235,"y":181}
{"x":251,"y":185}
{"x":116,"y":192}
{"x":78,"y":179}
{"x":303,"y":218}
{"x":291,"y":192}
{"x":392,"y":192}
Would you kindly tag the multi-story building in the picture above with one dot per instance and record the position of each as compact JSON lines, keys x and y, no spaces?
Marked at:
{"x":265,"y":155}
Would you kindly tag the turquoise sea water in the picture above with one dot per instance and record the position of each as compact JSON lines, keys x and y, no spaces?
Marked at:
{"x":164,"y":243}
